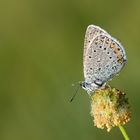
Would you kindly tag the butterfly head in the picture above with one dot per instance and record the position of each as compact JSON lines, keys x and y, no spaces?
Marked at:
{"x":89,"y":87}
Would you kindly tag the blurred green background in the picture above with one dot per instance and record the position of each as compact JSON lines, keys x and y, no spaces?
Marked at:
{"x":41,"y":48}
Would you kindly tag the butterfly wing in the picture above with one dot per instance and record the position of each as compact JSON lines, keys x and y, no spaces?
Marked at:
{"x":104,"y":56}
{"x":91,"y":32}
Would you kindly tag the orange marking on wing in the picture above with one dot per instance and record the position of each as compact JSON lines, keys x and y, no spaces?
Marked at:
{"x":117,"y":52}
{"x":112,"y":46}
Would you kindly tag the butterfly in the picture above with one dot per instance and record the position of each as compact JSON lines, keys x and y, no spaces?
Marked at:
{"x":103,"y":58}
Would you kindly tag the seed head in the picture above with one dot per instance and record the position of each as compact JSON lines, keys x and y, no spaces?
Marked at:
{"x":109,"y":108}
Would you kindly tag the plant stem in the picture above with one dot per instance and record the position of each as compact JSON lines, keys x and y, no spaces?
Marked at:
{"x":124,"y":133}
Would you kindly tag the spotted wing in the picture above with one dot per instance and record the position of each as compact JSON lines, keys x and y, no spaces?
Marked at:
{"x":104,"y":57}
{"x":91,"y":33}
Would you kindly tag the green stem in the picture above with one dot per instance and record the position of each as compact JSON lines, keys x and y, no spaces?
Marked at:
{"x":124,"y":132}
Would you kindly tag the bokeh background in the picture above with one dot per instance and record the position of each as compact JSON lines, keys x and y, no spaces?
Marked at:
{"x":41,"y":48}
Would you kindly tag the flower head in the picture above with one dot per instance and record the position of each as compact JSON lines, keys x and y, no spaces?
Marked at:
{"x":109,"y":108}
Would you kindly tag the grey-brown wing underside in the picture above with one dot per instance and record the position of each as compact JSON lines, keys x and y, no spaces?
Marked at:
{"x":91,"y":32}
{"x":103,"y":56}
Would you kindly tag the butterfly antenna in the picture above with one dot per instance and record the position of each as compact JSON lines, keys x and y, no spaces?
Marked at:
{"x":75,"y":94}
